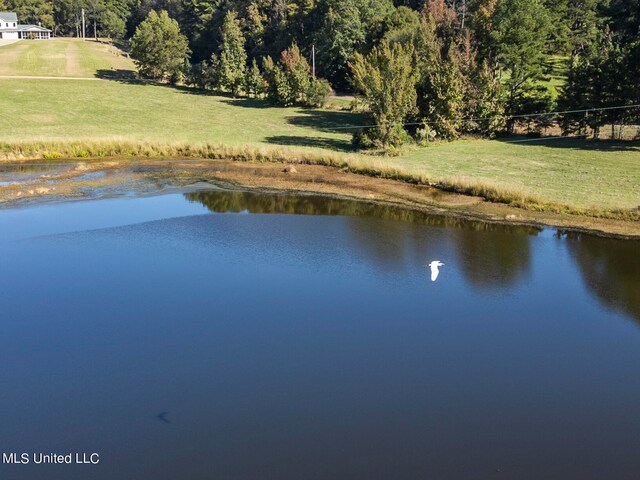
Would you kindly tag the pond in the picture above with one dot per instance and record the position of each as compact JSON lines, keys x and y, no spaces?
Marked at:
{"x":233,"y":335}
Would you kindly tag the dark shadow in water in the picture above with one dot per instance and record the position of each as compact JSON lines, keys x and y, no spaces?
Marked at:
{"x":610,"y":269}
{"x":495,"y":260}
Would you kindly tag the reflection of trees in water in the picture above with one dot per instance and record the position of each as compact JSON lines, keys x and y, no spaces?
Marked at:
{"x":610,"y":269}
{"x":225,"y":201}
{"x":495,"y":258}
{"x":390,"y":244}
{"x":229,"y":201}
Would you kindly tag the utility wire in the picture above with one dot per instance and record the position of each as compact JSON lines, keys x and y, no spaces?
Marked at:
{"x":503,"y":117}
{"x":543,"y":139}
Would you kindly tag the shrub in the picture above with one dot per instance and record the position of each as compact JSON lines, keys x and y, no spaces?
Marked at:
{"x":318,"y":92}
{"x":290,"y":81}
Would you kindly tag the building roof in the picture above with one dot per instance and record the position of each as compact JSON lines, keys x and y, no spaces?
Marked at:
{"x":31,"y":28}
{"x":13,"y":17}
{"x":8,"y":16}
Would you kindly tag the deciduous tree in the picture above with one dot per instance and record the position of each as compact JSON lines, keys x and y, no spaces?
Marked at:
{"x":32,"y":11}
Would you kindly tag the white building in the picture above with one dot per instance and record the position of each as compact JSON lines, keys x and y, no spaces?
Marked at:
{"x":10,"y":29}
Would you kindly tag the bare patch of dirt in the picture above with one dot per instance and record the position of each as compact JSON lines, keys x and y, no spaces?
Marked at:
{"x":73,"y":64}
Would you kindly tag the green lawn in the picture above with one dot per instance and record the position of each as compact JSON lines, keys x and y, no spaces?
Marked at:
{"x":568,"y":171}
{"x":61,"y":110}
{"x":573,"y":172}
{"x":62,"y":57}
{"x":555,"y":77}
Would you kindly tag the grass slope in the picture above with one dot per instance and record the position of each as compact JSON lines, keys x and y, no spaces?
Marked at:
{"x":571,"y":172}
{"x":580,"y":173}
{"x":62,"y":57}
{"x":61,"y":110}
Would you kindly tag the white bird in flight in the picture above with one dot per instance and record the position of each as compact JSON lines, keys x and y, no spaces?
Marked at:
{"x":435,"y":269}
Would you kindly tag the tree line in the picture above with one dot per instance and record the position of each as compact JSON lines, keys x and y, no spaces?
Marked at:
{"x":425,"y":68}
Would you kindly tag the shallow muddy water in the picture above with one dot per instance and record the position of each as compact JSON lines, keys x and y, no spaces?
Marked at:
{"x":230,"y":335}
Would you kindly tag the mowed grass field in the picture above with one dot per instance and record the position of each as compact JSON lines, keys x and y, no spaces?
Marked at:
{"x":572,"y":172}
{"x":62,"y":57}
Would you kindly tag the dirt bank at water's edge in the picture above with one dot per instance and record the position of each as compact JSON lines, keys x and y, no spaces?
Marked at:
{"x":100,"y":178}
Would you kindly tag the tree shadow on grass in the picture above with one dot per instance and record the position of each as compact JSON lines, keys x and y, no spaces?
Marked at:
{"x":131,"y":78}
{"x":330,"y":121}
{"x":249,"y":102}
{"x":315,"y":142}
{"x":573,"y":143}
{"x":190,"y":90}
{"x":118,"y":75}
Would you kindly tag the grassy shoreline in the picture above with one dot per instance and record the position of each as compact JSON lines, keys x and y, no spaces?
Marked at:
{"x":59,"y":118}
{"x":600,"y":176}
{"x":353,"y":163}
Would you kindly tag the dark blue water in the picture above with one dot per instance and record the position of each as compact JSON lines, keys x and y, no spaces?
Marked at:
{"x":181,"y":343}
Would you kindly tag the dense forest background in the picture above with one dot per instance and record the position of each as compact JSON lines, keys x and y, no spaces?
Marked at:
{"x":441,"y":60}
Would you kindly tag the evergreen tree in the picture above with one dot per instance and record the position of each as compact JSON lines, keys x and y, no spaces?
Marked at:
{"x":32,"y":11}
{"x":624,"y":19}
{"x":232,"y":58}
{"x":605,"y":72}
{"x":297,"y":73}
{"x":589,"y":86}
{"x":441,"y":86}
{"x":631,"y":93}
{"x":519,"y":35}
{"x":290,"y":81}
{"x":67,"y":17}
{"x":387,"y":80}
{"x":481,"y":24}
{"x":254,"y":82}
{"x":196,"y":75}
{"x":484,"y":102}
{"x":583,"y":25}
{"x":158,"y":47}
{"x":111,"y":25}
{"x":347,"y":26}
{"x":453,"y":85}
